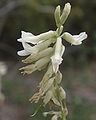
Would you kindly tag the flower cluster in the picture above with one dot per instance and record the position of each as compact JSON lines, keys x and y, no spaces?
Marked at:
{"x":46,"y":50}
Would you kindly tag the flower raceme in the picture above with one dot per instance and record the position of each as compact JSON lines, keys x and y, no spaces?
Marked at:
{"x":46,"y":50}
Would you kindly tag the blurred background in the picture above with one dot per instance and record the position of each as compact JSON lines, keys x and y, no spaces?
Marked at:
{"x":78,"y":67}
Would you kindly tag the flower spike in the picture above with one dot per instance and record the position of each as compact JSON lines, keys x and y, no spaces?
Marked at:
{"x":46,"y":50}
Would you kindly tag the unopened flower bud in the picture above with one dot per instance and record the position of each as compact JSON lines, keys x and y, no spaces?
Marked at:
{"x":57,"y":15}
{"x":65,"y":13}
{"x":62,"y":93}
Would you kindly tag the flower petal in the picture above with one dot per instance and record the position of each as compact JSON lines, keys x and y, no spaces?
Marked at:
{"x":23,"y":53}
{"x":44,"y":88}
{"x":81,"y":36}
{"x":74,"y":39}
{"x":41,"y":54}
{"x":26,"y":34}
{"x":57,"y":58}
{"x":56,"y":61}
{"x":29,"y":48}
{"x":26,"y":37}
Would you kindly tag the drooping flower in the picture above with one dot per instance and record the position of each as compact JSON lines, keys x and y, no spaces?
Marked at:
{"x":41,"y":54}
{"x":74,"y":39}
{"x":57,"y":57}
{"x":40,"y":42}
{"x":37,"y":66}
{"x":30,"y":38}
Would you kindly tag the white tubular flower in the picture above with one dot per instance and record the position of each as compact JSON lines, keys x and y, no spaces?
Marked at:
{"x":57,"y":57}
{"x":28,"y":49}
{"x":74,"y":39}
{"x":38,"y":41}
{"x":26,"y":35}
{"x":30,"y":38}
{"x":65,"y":13}
{"x":33,"y":67}
{"x":39,"y":55}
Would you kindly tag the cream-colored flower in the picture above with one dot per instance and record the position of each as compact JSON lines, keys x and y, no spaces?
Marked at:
{"x":74,"y":39}
{"x":28,"y":49}
{"x":41,"y":42}
{"x":34,"y":57}
{"x":57,"y":57}
{"x":37,"y":66}
{"x":44,"y":88}
{"x":30,"y":38}
{"x":26,"y":35}
{"x":47,"y":75}
{"x":51,"y":95}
